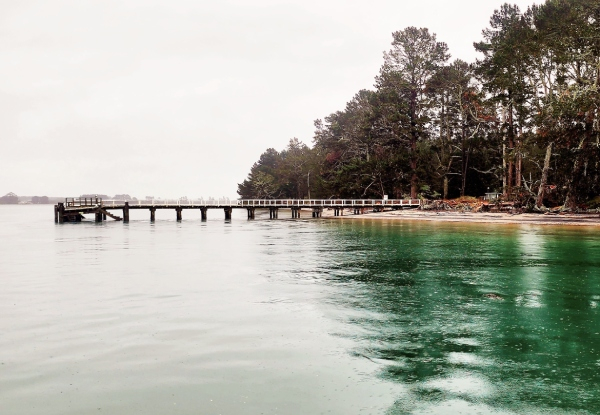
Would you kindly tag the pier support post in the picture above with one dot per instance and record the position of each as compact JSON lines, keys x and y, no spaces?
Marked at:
{"x":178,"y":210}
{"x":273,"y":213}
{"x":61,"y":213}
{"x":104,"y":216}
{"x":98,"y":216}
{"x":55,"y":213}
{"x":203,"y":214}
{"x":152,"y":214}
{"x":251,"y":212}
{"x":295,"y":213}
{"x":126,"y":212}
{"x":316,"y":213}
{"x":227,"y":213}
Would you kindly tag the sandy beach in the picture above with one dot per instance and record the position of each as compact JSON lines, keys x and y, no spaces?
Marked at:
{"x":470,"y":217}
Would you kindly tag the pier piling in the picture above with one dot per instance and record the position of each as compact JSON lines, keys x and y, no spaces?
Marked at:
{"x":61,"y":213}
{"x":126,"y":212}
{"x":273,"y":213}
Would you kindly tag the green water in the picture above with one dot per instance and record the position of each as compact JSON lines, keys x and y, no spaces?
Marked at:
{"x":481,"y":317}
{"x":296,"y":317}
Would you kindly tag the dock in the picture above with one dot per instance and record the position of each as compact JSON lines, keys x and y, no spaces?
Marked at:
{"x":74,"y":209}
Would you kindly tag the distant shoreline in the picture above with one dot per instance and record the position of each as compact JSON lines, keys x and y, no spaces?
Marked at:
{"x":470,"y":217}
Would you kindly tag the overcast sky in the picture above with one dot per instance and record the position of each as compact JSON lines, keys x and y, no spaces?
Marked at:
{"x":180,"y":98}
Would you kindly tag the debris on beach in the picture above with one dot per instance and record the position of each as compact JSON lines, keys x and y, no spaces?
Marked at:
{"x":461,"y":204}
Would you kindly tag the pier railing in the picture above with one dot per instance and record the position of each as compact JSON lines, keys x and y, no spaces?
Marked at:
{"x":83,"y":202}
{"x":329,"y":202}
{"x":256,"y":203}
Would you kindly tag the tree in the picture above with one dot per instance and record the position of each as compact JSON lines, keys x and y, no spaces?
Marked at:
{"x":460,"y":119}
{"x":414,"y":58}
{"x":261,"y":182}
{"x":504,"y":72}
{"x":9,"y":199}
{"x":569,"y":38}
{"x":293,"y":169}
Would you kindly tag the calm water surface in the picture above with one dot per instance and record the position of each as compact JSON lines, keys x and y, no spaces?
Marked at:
{"x":296,"y":316}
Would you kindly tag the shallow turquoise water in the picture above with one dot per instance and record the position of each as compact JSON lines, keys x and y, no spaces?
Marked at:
{"x":296,"y":316}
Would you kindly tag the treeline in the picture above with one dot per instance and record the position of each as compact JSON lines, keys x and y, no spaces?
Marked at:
{"x":523,"y":120}
{"x":13,"y":199}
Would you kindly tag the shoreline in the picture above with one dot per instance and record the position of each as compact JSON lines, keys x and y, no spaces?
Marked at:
{"x":479,"y":217}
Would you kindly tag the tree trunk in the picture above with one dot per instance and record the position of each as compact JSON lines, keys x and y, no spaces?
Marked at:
{"x":464,"y":173}
{"x":504,"y":172}
{"x":446,"y":179}
{"x":504,"y":167}
{"x":572,"y":194}
{"x":465,"y":161}
{"x":518,"y":165}
{"x":414,"y":179}
{"x":445,"y":196}
{"x":540,"y":197}
{"x":511,"y":155}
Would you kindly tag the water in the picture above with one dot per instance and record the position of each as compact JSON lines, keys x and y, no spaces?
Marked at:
{"x":296,"y":316}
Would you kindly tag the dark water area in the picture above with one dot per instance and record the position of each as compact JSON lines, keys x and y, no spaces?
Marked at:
{"x":296,"y":316}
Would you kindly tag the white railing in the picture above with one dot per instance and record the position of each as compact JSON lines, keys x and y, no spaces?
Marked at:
{"x":329,"y":202}
{"x":83,"y":202}
{"x":268,"y":202}
{"x":171,"y":202}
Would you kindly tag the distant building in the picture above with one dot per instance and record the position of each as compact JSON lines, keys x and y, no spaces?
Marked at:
{"x":125,"y":197}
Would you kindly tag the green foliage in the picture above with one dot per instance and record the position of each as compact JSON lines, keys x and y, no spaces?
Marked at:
{"x":282,"y":174}
{"x":426,"y":192}
{"x":594,"y":203}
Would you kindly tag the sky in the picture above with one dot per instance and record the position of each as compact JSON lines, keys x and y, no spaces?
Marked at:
{"x":179,"y":98}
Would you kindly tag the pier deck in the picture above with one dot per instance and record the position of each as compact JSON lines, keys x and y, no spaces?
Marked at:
{"x":73,"y":209}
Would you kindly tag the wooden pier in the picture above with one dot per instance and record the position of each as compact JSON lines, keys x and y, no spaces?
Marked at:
{"x":74,"y":209}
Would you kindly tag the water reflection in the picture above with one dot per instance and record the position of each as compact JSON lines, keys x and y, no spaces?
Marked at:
{"x":475,"y":319}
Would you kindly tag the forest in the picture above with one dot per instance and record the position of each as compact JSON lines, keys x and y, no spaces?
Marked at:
{"x":522,"y":120}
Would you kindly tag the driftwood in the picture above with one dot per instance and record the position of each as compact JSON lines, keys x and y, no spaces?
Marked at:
{"x":457,"y":205}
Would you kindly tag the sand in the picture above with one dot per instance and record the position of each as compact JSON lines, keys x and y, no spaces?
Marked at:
{"x":449,"y":216}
